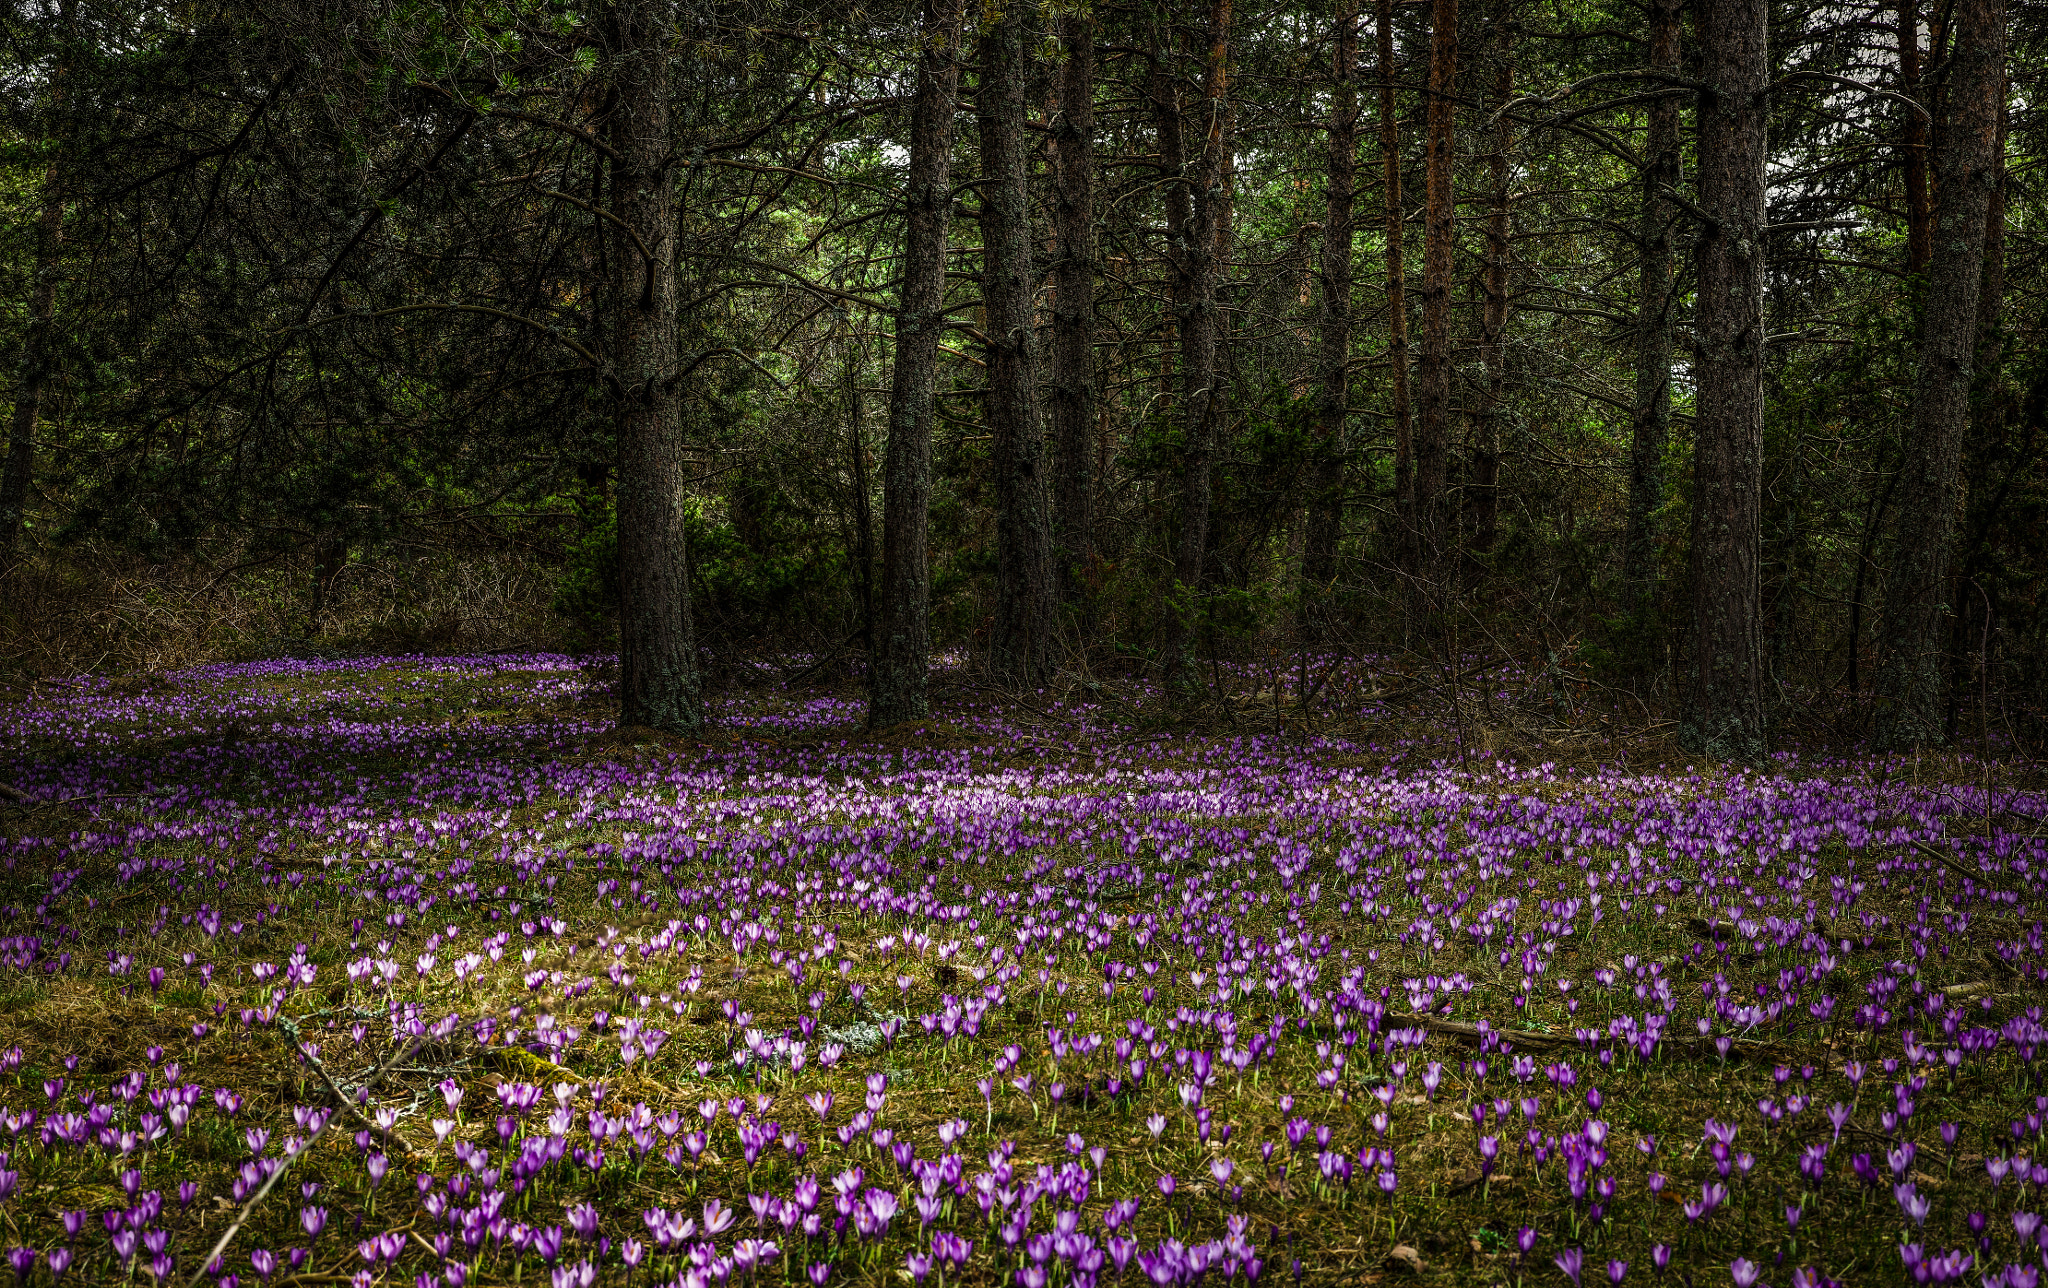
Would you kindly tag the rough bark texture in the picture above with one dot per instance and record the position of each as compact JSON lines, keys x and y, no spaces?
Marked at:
{"x":1166,"y":125}
{"x":1976,"y":580}
{"x":1656,"y":304}
{"x":658,"y":680}
{"x":1724,"y":703}
{"x":1073,"y":400}
{"x":1333,"y":356}
{"x":1918,"y":588}
{"x":863,"y":511}
{"x":900,"y":655}
{"x":38,"y":342}
{"x":1913,"y":149}
{"x":1021,"y":632}
{"x":33,"y":377}
{"x":1485,"y":495}
{"x":1199,"y":251}
{"x":1433,"y":383}
{"x":1397,"y":296}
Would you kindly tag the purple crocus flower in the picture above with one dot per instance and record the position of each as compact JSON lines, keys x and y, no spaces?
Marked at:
{"x":1571,"y":1261}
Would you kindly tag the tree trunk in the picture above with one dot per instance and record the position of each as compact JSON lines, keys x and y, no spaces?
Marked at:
{"x":1397,"y":298}
{"x":1433,"y":387}
{"x":1164,"y":100}
{"x":1485,"y":500}
{"x":1919,"y":214}
{"x":37,"y":352}
{"x":900,"y":656}
{"x":1333,"y":357}
{"x":1021,"y":635}
{"x":1201,"y":253}
{"x":658,"y":682}
{"x":1656,"y":302}
{"x":863,"y":510}
{"x":1871,"y":527}
{"x":1073,"y":320}
{"x":1173,"y":162}
{"x":330,"y":556}
{"x":38,"y":344}
{"x":1724,"y":715}
{"x":1990,"y":404}
{"x":1918,"y":586}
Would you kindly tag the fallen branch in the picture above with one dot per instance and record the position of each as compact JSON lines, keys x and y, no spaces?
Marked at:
{"x":1530,"y":1038}
{"x":1473,"y":1032}
{"x":284,"y":1165}
{"x":1944,"y":860}
{"x":341,"y":1100}
{"x":15,"y":796}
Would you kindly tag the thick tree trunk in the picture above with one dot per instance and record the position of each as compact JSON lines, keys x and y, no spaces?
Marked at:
{"x":1990,"y":404}
{"x":1021,"y":635}
{"x":1073,"y":320}
{"x":1201,"y":252}
{"x":863,"y":510}
{"x":659,"y":685}
{"x":900,"y":656}
{"x":1918,"y":587}
{"x":1333,"y":356}
{"x":1164,"y":100}
{"x":1724,"y":715}
{"x":1397,"y":297}
{"x":1173,"y":161}
{"x":1656,"y":304}
{"x":1485,"y":499}
{"x":33,"y":378}
{"x":38,"y":343}
{"x":1433,"y":384}
{"x":1913,"y":149}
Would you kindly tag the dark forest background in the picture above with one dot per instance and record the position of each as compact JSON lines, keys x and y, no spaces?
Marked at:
{"x":1688,"y":353}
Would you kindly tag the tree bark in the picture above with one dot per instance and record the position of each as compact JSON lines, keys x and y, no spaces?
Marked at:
{"x":1397,"y":298}
{"x":1173,"y":163}
{"x":1918,"y":587}
{"x":1073,"y":321}
{"x":1913,"y":149}
{"x":1656,"y":302}
{"x":1333,"y":357}
{"x":863,"y":510}
{"x":1724,"y":715}
{"x":1021,"y":634}
{"x":330,"y":556}
{"x":1433,"y":386}
{"x":1485,"y":499}
{"x":38,"y":345}
{"x":33,"y":378}
{"x":900,"y":656}
{"x":1979,"y":605}
{"x":659,"y":686}
{"x":1200,"y":253}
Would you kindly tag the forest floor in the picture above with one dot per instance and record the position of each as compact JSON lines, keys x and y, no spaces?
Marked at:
{"x":413,"y":971}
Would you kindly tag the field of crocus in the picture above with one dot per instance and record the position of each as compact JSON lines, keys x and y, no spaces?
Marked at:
{"x":408,"y":971}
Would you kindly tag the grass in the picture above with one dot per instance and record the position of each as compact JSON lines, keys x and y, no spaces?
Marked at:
{"x":1327,"y":953}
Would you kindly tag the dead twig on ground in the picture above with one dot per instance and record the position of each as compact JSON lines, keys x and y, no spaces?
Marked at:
{"x":285,"y":1165}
